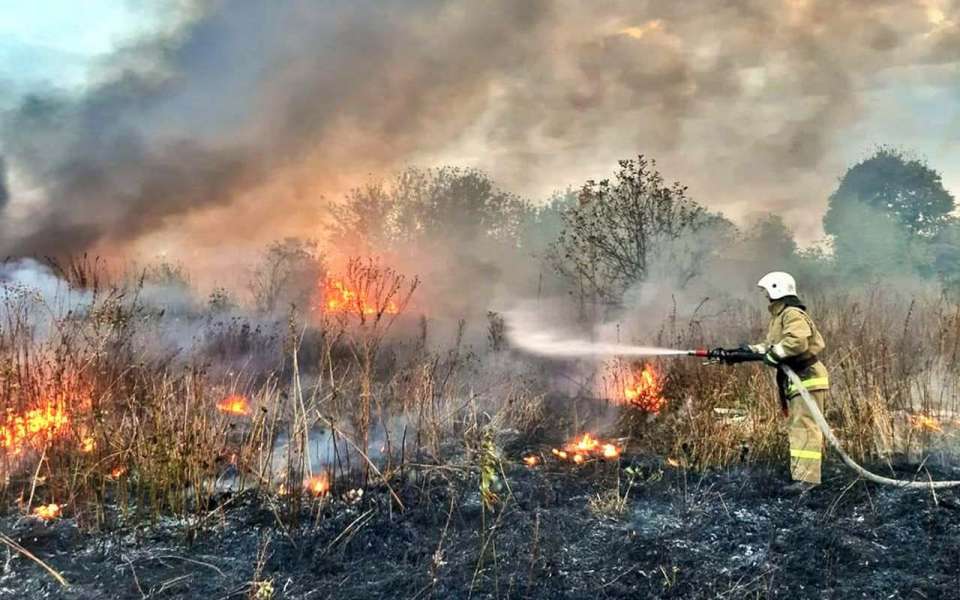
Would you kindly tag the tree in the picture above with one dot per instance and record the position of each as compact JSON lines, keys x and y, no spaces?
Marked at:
{"x":906,"y":190}
{"x":771,"y":237}
{"x":452,"y":227}
{"x":448,"y":206}
{"x":945,"y":251}
{"x":886,"y":212}
{"x":621,"y":229}
{"x":288,"y":274}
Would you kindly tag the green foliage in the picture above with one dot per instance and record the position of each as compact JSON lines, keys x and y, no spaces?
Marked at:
{"x":945,"y":257}
{"x":542,"y":225}
{"x":888,"y":214}
{"x":904,"y":189}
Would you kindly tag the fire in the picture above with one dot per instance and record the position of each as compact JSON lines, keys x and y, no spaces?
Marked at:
{"x":318,"y":485}
{"x":586,"y":447}
{"x":117,"y":472}
{"x":34,"y":427}
{"x":47,"y":512}
{"x":234,"y":404}
{"x":926,"y":423}
{"x":531,"y":460}
{"x":339,"y":298}
{"x":644,"y":390}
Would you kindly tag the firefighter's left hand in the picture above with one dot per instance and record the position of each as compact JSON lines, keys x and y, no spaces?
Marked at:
{"x":771,"y":359}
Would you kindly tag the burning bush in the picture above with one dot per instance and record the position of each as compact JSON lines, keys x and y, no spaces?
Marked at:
{"x":635,"y":385}
{"x":644,"y":390}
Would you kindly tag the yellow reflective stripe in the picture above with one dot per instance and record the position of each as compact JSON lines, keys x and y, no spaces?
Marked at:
{"x":810,"y":383}
{"x":811,"y":454}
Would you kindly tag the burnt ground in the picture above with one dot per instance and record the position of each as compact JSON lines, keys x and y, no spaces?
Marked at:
{"x":730,"y":534}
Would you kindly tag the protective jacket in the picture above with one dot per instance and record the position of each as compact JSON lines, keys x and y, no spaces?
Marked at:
{"x":793,"y":338}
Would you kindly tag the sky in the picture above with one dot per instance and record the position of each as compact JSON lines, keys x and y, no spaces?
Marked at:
{"x":57,"y":41}
{"x":128,"y":124}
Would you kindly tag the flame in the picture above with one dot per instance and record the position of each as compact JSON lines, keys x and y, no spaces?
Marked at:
{"x":318,"y":485}
{"x":117,"y":472}
{"x":531,"y":460}
{"x":47,"y":512}
{"x":586,"y":447}
{"x":338,"y":298}
{"x":926,"y":423}
{"x":34,"y":427}
{"x":234,"y":404}
{"x":644,"y":390}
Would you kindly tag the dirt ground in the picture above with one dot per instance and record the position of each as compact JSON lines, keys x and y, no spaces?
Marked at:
{"x":730,"y":534}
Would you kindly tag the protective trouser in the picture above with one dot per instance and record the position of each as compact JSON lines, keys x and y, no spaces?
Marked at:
{"x":806,"y":439}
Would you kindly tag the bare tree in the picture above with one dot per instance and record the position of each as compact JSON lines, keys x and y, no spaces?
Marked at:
{"x":370,"y":300}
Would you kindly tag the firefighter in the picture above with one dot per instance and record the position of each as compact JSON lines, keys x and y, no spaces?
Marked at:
{"x":793,"y":339}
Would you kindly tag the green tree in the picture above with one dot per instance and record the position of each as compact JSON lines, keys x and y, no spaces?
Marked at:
{"x":905,"y":189}
{"x":885,"y":213}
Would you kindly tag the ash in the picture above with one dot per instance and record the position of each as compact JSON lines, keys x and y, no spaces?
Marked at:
{"x":730,"y":534}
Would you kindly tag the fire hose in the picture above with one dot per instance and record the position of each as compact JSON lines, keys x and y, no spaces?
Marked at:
{"x":742,"y":355}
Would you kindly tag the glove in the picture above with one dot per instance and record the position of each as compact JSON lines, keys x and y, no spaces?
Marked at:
{"x":771,"y":359}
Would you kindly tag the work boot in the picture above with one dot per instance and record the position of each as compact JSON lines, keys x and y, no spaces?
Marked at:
{"x":798,"y":488}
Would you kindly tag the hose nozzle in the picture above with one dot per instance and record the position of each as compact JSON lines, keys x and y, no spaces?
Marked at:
{"x":725,"y":355}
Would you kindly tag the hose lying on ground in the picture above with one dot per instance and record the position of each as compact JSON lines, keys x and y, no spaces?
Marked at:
{"x":828,"y":433}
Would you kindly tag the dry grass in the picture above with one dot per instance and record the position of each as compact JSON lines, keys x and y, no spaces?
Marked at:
{"x":346,"y":397}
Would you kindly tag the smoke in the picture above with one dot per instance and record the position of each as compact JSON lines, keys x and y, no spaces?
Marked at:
{"x":237,"y":124}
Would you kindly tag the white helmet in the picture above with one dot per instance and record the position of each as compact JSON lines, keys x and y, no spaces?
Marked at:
{"x":778,"y":284}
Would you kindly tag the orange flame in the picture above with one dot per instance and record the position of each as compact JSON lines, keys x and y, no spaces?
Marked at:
{"x":644,"y":390}
{"x":47,"y":512}
{"x":88,"y":444}
{"x":234,"y":404}
{"x":338,"y":298}
{"x":34,"y":427}
{"x":531,"y":460}
{"x":117,"y":472}
{"x":318,"y":485}
{"x":586,"y":447}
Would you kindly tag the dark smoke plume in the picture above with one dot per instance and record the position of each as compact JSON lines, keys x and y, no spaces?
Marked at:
{"x":253,"y":111}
